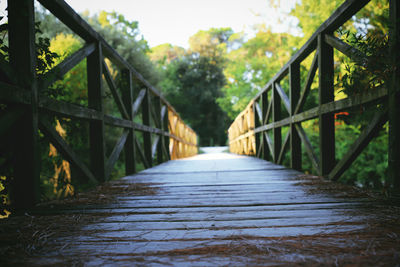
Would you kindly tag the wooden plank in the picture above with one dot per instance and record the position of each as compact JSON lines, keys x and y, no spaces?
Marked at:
{"x":394,"y":98}
{"x":294,"y":92}
{"x":115,"y":153}
{"x":138,"y":102}
{"x":22,"y":56}
{"x":115,"y":94}
{"x":66,"y":65}
{"x":127,"y":97}
{"x":376,"y":124}
{"x":146,"y":121}
{"x":95,"y":101}
{"x":309,"y":149}
{"x":276,"y":116}
{"x":307,"y":85}
{"x":352,"y":52}
{"x":65,"y":150}
{"x":326,"y":95}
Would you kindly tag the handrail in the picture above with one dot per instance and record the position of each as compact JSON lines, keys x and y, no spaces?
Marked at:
{"x":263,"y":114}
{"x":160,"y":140}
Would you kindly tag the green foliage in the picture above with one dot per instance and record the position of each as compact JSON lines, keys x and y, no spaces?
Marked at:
{"x":192,"y":84}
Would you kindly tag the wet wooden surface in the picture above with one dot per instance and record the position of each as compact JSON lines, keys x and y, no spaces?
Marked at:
{"x":211,"y":209}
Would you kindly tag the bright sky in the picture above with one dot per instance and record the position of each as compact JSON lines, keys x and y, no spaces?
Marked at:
{"x":174,"y":21}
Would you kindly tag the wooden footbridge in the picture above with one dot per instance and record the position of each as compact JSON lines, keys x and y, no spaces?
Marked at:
{"x":214,"y":208}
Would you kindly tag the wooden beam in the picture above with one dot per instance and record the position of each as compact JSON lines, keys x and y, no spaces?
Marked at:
{"x":95,"y":101}
{"x":65,"y":150}
{"x":353,"y":53}
{"x":158,"y":121}
{"x":284,"y":148}
{"x":276,"y":116}
{"x":376,"y":124}
{"x":335,"y":106}
{"x":138,"y":102}
{"x":69,"y":110}
{"x":127,"y":97}
{"x":141,"y":154}
{"x":257,"y":122}
{"x":115,"y":94}
{"x":394,"y":97}
{"x":270,"y":145}
{"x":146,"y":121}
{"x":342,"y":14}
{"x":309,"y":149}
{"x":307,"y":85}
{"x":9,"y":118}
{"x":115,"y":153}
{"x":294,"y":92}
{"x":266,"y":107}
{"x":165,"y":120}
{"x":326,"y":95}
{"x":58,"y":72}
{"x":22,"y":53}
{"x":283,"y":96}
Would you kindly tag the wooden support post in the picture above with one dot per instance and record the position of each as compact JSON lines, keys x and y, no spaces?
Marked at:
{"x":157,"y":109}
{"x":127,"y":96}
{"x":257,"y":124}
{"x":394,"y":98}
{"x":265,"y":104}
{"x":294,"y":95}
{"x":146,"y":121}
{"x":276,"y":116}
{"x":95,"y":101}
{"x":166,"y":129}
{"x":25,"y":187}
{"x":326,"y":94}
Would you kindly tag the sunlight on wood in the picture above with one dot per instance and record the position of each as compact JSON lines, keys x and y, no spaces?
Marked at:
{"x":241,"y":133}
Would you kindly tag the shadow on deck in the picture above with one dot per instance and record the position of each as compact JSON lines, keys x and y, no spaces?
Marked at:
{"x":212,"y":209}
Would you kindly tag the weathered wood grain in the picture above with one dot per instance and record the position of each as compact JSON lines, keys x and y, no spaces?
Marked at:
{"x":217,"y":199}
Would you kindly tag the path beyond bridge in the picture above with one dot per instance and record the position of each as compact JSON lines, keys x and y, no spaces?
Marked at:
{"x":211,"y":209}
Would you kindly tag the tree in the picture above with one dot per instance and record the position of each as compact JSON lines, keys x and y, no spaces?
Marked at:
{"x":192,"y":84}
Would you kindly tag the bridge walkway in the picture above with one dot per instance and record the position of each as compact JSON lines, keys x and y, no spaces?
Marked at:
{"x":211,"y":209}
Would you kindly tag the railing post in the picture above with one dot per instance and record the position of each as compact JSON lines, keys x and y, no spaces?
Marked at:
{"x":256,"y":125}
{"x":127,"y":95}
{"x":166,"y":129}
{"x":394,"y":98}
{"x":265,"y":103}
{"x":95,"y":101}
{"x":25,"y":189}
{"x":146,"y":121}
{"x":294,"y":94}
{"x":276,"y":116}
{"x":326,"y":94}
{"x":157,"y":109}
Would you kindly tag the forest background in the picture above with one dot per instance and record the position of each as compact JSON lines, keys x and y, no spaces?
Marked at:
{"x":215,"y":78}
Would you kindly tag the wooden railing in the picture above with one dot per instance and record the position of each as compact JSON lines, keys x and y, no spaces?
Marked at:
{"x":249,"y":133}
{"x":164,"y":133}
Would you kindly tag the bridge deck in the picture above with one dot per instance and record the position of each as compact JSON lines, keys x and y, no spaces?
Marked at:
{"x":212,"y":209}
